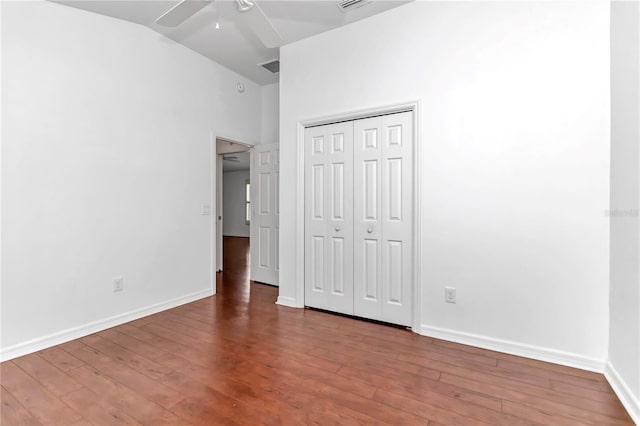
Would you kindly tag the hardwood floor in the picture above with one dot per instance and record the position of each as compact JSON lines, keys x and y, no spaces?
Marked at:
{"x":237,"y":358}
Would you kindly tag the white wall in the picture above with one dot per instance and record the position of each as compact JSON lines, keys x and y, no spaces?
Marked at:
{"x":233,"y":204}
{"x":624,"y":340}
{"x":270,"y":113}
{"x":106,"y":164}
{"x":514,"y":161}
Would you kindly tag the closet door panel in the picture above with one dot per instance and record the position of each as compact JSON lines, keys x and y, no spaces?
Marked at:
{"x":340,"y":221}
{"x":315,"y":218}
{"x":329,"y":217}
{"x":397,"y":218}
{"x":367,"y":172}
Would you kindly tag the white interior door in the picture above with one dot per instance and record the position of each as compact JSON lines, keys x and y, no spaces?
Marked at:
{"x":358,"y":217}
{"x":264,"y":226}
{"x":329,"y":217}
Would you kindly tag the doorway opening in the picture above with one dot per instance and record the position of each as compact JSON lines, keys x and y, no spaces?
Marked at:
{"x":247,"y":205}
{"x":232,"y":195}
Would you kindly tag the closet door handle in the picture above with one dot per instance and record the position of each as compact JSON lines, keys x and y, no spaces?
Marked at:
{"x":337,"y":228}
{"x":369,"y":230}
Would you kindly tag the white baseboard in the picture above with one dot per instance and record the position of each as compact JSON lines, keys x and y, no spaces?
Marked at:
{"x":515,"y":348}
{"x":620,"y":387}
{"x":288,"y":301}
{"x":44,"y":342}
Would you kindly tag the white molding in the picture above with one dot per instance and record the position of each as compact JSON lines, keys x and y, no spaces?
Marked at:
{"x":620,"y":387}
{"x":540,"y":353}
{"x":417,"y":222}
{"x":213,"y":222}
{"x":288,"y":301}
{"x":358,"y":114}
{"x":231,"y":234}
{"x":60,"y":337}
{"x":216,"y":185}
{"x":299,"y":272}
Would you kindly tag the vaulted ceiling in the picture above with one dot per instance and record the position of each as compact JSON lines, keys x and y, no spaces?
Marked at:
{"x":235,"y":44}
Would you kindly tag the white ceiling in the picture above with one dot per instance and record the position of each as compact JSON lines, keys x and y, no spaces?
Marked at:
{"x":235,"y":45}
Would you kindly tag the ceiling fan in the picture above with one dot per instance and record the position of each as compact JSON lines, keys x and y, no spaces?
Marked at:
{"x":248,"y":10}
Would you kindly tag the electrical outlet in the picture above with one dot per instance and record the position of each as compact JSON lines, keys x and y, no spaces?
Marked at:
{"x":450,"y":294}
{"x":118,"y":284}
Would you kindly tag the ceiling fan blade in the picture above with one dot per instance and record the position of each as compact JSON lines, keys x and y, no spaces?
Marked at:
{"x":244,"y":5}
{"x":181,"y":12}
{"x":262,"y":26}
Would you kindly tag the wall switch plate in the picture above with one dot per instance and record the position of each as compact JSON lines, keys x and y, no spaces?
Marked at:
{"x":118,"y":284}
{"x":450,"y":294}
{"x":206,"y":210}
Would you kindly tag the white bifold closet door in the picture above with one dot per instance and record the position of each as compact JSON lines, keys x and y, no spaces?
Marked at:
{"x":358,"y":217}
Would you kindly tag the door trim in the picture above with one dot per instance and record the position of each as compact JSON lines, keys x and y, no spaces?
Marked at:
{"x":217,"y":252}
{"x":414,"y":108}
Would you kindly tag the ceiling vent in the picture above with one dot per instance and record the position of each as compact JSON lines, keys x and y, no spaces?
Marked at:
{"x":346,"y":5}
{"x":272,"y":66}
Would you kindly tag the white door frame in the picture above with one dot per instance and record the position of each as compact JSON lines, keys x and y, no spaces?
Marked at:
{"x":214,"y":219}
{"x":218,"y":213}
{"x":217,"y":184}
{"x":414,"y":108}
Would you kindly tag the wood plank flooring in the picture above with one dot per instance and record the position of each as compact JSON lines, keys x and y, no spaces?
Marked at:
{"x":237,"y":358}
